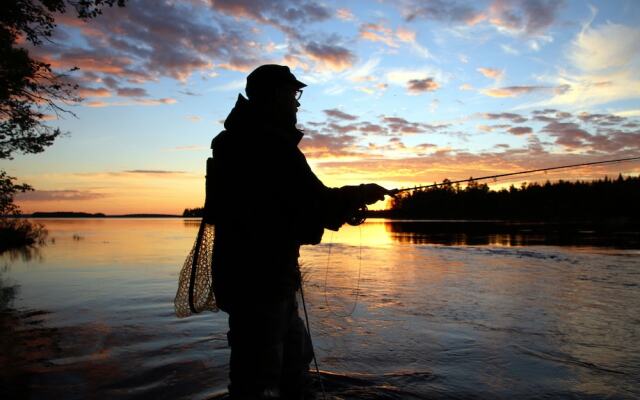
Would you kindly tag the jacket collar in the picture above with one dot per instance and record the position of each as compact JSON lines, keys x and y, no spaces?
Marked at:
{"x":246,"y":117}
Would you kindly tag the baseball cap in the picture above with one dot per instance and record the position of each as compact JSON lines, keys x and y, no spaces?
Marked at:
{"x":270,"y":76}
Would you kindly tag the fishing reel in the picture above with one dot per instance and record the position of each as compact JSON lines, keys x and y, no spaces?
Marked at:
{"x":358,"y":217}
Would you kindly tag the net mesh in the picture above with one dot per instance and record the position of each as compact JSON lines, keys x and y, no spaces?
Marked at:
{"x":196,"y":280}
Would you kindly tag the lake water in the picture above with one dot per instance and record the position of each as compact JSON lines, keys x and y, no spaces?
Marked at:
{"x":396,"y":313}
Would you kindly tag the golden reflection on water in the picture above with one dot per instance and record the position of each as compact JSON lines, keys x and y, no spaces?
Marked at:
{"x":83,"y":242}
{"x":372,"y":233}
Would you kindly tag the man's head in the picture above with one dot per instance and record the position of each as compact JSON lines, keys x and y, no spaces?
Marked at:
{"x":276,"y":88}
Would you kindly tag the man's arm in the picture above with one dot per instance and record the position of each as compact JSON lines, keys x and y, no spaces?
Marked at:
{"x":343,"y":203}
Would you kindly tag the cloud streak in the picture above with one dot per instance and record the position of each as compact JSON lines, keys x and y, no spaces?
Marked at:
{"x":153,"y":172}
{"x":516,"y":91}
{"x":491,"y":73}
{"x":335,"y":113}
{"x":59,"y":195}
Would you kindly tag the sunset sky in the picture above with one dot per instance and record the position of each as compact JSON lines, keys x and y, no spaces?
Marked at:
{"x":400,"y":93}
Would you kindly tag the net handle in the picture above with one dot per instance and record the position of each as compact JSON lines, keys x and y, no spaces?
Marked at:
{"x":194,"y":265}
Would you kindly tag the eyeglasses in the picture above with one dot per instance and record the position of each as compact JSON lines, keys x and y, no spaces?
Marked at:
{"x":298,"y":94}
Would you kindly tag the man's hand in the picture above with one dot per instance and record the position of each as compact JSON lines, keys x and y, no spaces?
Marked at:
{"x":372,"y":193}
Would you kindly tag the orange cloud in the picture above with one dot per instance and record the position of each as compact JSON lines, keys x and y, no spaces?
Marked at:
{"x":94,"y":63}
{"x":466,"y":86}
{"x":406,"y":35}
{"x":377,"y":33}
{"x":93,"y":92}
{"x":295,"y":62}
{"x":513,"y":91}
{"x":134,"y":102}
{"x":331,"y":57}
{"x":491,"y":73}
{"x":238,"y":66}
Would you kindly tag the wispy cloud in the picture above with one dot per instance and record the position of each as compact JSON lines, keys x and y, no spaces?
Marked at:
{"x":86,"y":92}
{"x":345,"y":14}
{"x":58,"y":195}
{"x":335,"y":113}
{"x":133,"y":102}
{"x":131,"y":92}
{"x":509,"y":49}
{"x":515,"y":91}
{"x":377,"y":33}
{"x":491,"y":73}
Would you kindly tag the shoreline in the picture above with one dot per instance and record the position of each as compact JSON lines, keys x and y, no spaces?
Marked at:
{"x":617,"y":221}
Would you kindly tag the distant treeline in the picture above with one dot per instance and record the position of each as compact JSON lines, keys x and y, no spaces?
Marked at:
{"x":197,"y":212}
{"x":66,"y":214}
{"x":563,"y":200}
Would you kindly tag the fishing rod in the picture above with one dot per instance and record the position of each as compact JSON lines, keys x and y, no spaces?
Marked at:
{"x":393,"y":192}
{"x":360,"y":215}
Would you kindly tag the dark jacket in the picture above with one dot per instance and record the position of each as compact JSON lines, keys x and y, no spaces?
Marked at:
{"x":265,"y":202}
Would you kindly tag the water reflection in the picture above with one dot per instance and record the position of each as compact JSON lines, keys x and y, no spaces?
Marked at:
{"x":496,"y":233}
{"x":26,"y":253}
{"x":498,"y":319}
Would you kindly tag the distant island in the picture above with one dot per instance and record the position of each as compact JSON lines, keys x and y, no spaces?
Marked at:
{"x":74,"y":214}
{"x":65,"y":214}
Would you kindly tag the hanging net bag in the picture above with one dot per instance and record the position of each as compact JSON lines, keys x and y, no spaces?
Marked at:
{"x":195,"y":285}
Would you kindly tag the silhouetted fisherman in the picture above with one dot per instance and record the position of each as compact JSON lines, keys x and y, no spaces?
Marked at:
{"x":265,"y":203}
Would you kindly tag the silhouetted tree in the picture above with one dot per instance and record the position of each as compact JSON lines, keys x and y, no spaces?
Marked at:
{"x":8,"y":189}
{"x":29,"y":88}
{"x":197,"y":212}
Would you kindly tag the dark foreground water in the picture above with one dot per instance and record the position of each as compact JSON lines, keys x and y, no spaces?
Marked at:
{"x":397,"y":312}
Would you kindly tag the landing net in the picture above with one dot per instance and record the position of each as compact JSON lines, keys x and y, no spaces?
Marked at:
{"x":195,"y":293}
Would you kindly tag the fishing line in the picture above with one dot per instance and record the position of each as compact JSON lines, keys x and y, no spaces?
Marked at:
{"x":326,"y":299}
{"x":326,"y":272}
{"x":357,"y":289}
